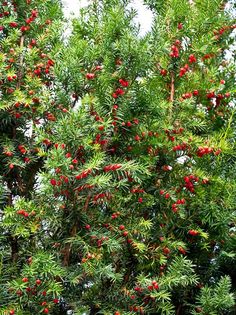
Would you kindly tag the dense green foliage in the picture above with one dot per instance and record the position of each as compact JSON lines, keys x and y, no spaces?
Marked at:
{"x":118,"y":160}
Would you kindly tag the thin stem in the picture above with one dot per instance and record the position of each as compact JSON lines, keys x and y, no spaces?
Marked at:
{"x":172,"y":87}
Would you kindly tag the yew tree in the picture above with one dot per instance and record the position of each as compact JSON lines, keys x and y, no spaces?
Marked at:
{"x":118,"y":159}
{"x":29,"y":42}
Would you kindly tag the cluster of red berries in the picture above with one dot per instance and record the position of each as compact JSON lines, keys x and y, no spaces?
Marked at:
{"x":192,"y":59}
{"x":99,"y":242}
{"x":163,"y":193}
{"x":187,"y":95}
{"x":99,"y":140}
{"x":170,"y":133}
{"x":41,"y":67}
{"x":211,"y":95}
{"x":124,"y":83}
{"x":89,"y":256}
{"x":180,"y":147}
{"x":174,"y":51}
{"x":221,"y":31}
{"x":102,"y":196}
{"x":64,"y":178}
{"x":23,"y":213}
{"x":112,"y":167}
{"x":183,"y":70}
{"x":193,"y":232}
{"x":190,"y":181}
{"x":119,"y":91}
{"x":130,"y":124}
{"x":190,"y":94}
{"x":33,"y":292}
{"x":11,"y":78}
{"x":177,"y":204}
{"x":28,"y":21}
{"x":22,"y":149}
{"x":83,"y":174}
{"x":33,"y":16}
{"x":7,"y":152}
{"x":203,"y":151}
{"x":152,"y":286}
{"x":115,"y":215}
{"x":91,"y":75}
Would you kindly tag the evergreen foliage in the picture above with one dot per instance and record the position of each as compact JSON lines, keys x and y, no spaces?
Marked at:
{"x":118,"y":160}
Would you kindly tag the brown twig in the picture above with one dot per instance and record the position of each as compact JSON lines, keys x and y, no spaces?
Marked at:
{"x":172,"y":87}
{"x":178,"y":311}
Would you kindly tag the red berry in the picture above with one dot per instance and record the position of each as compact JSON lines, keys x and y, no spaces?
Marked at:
{"x":167,"y":195}
{"x":181,"y":250}
{"x":163,"y":72}
{"x":38,"y":281}
{"x":192,"y":59}
{"x":98,"y":68}
{"x":46,"y":311}
{"x":90,"y":76}
{"x":53,"y":182}
{"x":193,"y":232}
{"x":166,"y":250}
{"x":25,"y":280}
{"x":120,"y":91}
{"x":121,"y":227}
{"x":124,"y":83}
{"x":12,"y":312}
